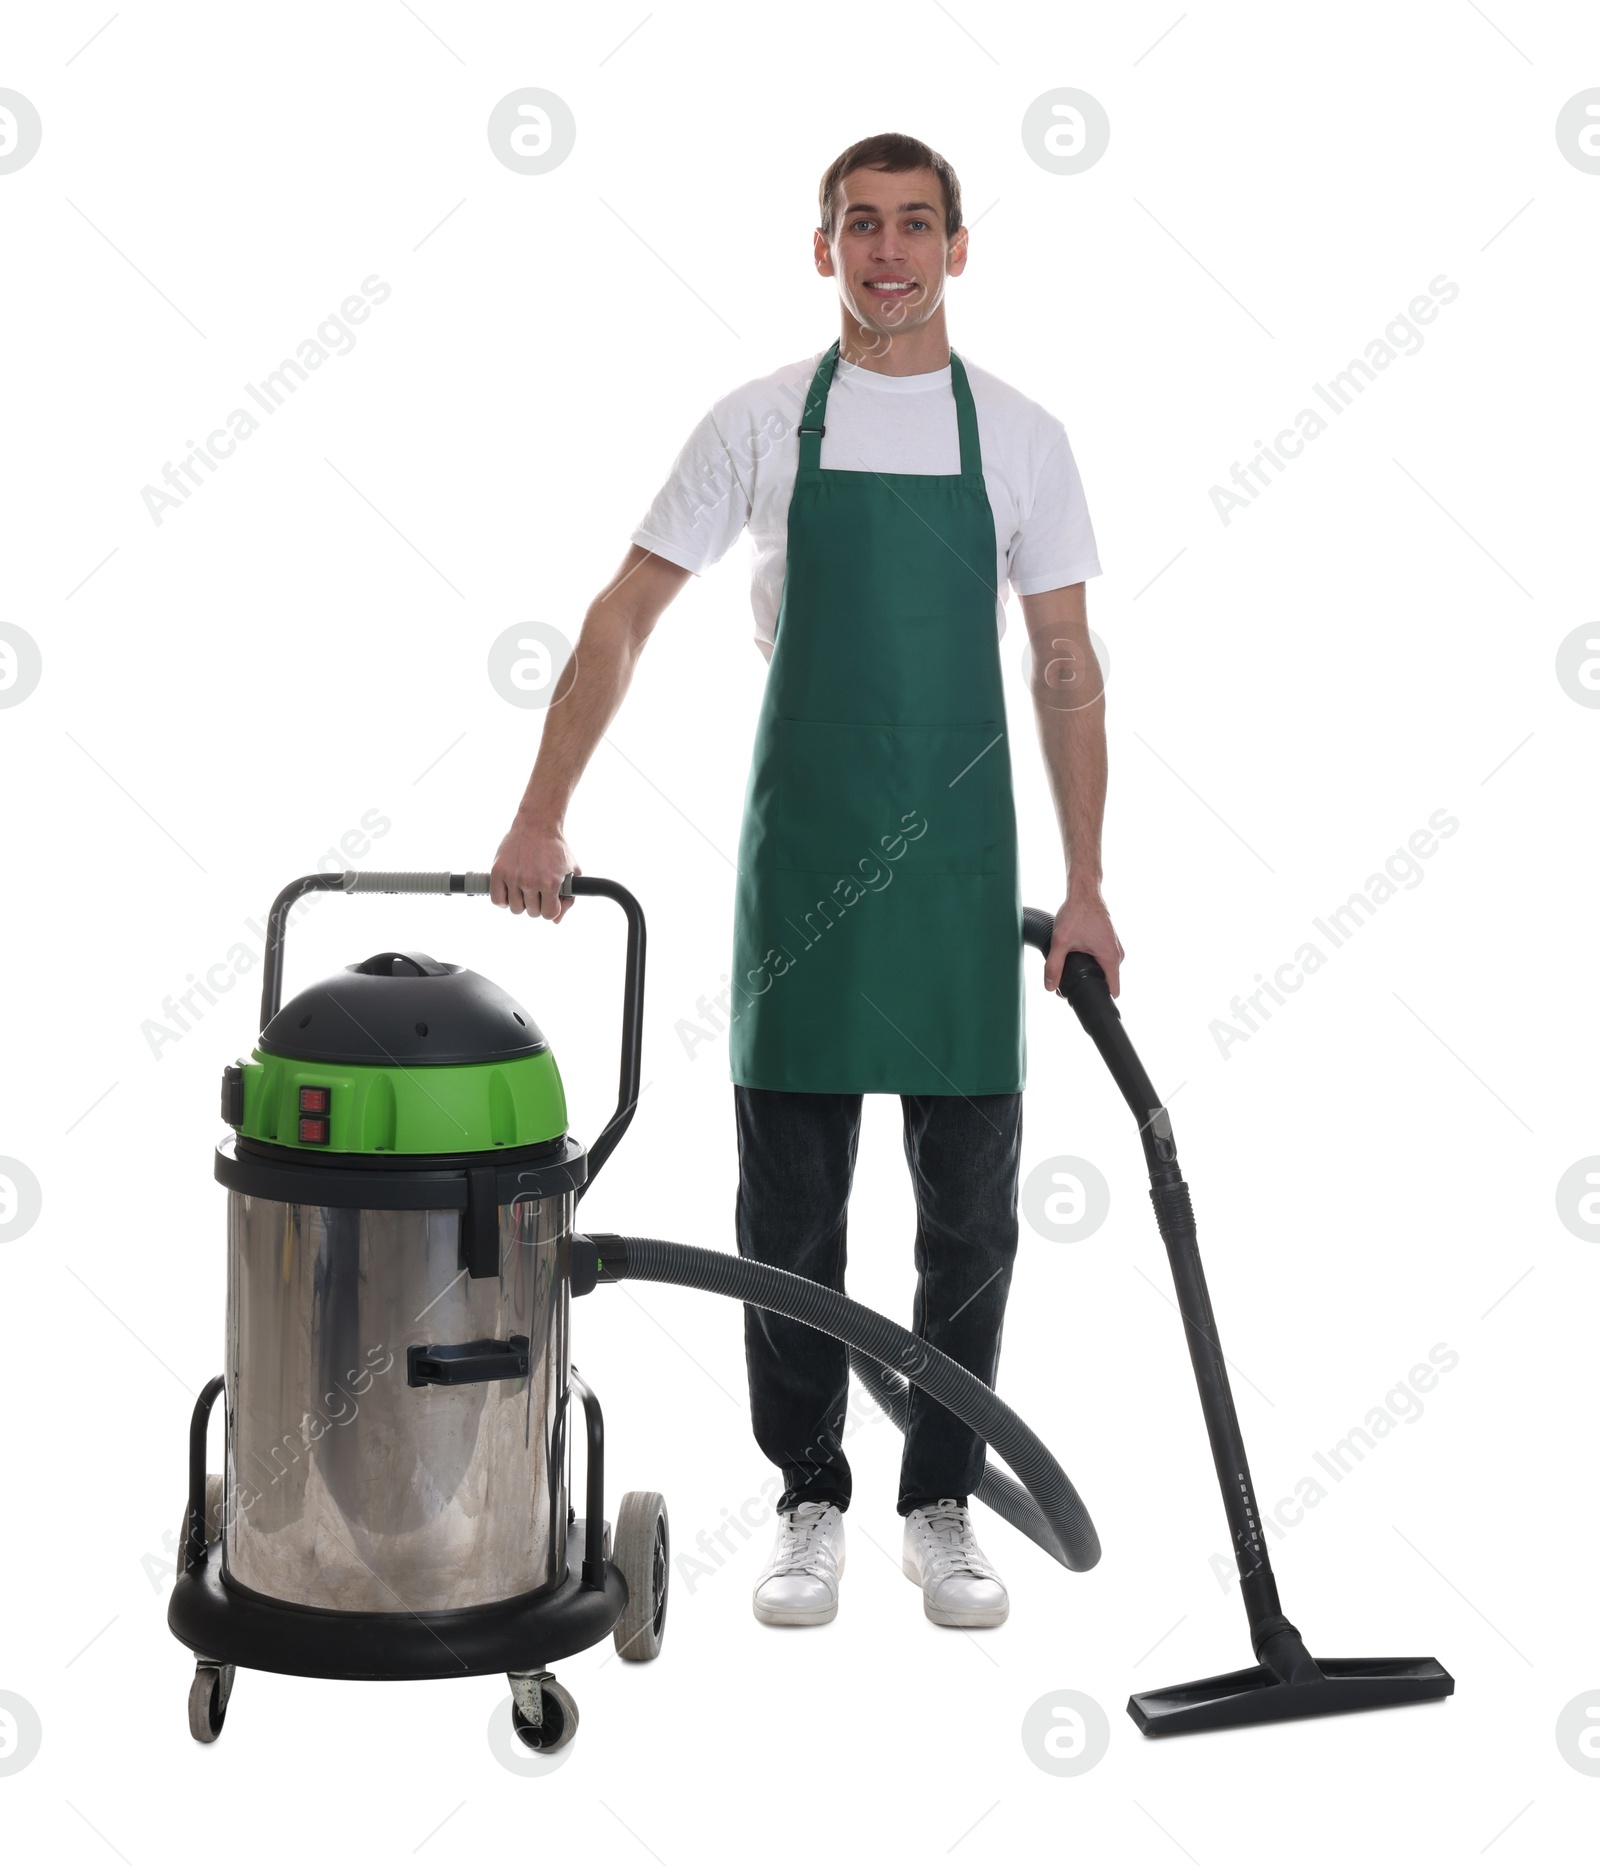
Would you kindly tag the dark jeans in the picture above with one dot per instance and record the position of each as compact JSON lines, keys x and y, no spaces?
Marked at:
{"x":797,"y":1154}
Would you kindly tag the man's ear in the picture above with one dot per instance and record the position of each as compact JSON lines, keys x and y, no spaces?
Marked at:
{"x":956,"y":260}
{"x":821,"y":254}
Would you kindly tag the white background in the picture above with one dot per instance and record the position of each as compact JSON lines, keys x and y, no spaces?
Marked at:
{"x":1374,"y":639}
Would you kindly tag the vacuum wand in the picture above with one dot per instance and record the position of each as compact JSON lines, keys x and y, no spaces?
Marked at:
{"x":1287,"y":1682}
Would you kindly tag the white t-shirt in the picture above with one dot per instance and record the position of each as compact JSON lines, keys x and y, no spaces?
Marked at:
{"x":738,"y":468}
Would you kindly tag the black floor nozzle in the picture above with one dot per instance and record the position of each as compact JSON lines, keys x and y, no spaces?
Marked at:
{"x":1256,"y":1695}
{"x":1287,"y":1682}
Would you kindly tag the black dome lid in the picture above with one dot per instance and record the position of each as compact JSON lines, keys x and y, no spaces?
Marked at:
{"x":403,"y":1007}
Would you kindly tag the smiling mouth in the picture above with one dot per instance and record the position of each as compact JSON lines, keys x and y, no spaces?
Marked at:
{"x":891,"y":287}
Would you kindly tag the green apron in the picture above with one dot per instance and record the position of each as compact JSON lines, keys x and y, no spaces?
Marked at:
{"x":878,"y":922}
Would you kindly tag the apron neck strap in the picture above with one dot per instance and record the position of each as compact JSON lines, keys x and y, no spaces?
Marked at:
{"x":966,"y":422}
{"x":811,"y":422}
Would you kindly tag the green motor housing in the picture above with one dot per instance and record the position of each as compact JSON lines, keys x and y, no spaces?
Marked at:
{"x":399,"y":1054}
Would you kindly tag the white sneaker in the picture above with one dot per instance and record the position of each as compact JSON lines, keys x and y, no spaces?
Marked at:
{"x":800,"y":1585}
{"x":959,"y":1584}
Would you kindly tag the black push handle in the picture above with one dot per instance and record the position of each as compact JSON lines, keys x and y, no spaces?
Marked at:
{"x":573,"y":886}
{"x":349,"y":881}
{"x":370,"y":881}
{"x":468,"y":1363}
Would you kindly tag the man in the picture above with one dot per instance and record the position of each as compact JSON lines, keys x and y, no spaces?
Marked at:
{"x":891,"y":493}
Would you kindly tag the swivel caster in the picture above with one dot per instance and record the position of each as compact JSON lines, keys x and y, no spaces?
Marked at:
{"x":208,"y":1700}
{"x":543,"y":1713}
{"x":213,"y":1681}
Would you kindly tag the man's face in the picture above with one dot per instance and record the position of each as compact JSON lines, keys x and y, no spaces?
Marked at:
{"x":889,"y":251}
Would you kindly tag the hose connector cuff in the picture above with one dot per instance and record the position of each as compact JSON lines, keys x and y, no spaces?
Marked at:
{"x":1174,"y":1212}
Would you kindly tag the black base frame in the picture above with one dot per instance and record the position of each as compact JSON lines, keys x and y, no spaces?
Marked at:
{"x":219,"y":1620}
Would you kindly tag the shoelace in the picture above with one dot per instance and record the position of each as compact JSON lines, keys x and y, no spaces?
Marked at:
{"x":955,"y":1550}
{"x":795,"y":1552}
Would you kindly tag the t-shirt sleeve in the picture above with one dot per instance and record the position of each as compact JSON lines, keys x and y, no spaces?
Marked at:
{"x":1055,"y":542}
{"x":703,"y":506}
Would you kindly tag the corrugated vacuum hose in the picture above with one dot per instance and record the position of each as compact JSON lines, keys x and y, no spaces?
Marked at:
{"x":1055,"y":1515}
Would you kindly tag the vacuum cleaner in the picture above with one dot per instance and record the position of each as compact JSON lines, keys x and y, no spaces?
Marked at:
{"x":399,"y":1388}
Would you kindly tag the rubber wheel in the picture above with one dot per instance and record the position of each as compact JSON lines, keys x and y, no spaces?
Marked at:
{"x":560,"y":1724}
{"x":213,"y":1515}
{"x":208,"y":1701}
{"x":644,"y":1554}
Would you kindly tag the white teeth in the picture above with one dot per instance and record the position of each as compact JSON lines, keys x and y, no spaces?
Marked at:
{"x":892,"y":285}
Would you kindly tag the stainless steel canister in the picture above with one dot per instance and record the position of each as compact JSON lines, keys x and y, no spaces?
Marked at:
{"x":349,"y":1488}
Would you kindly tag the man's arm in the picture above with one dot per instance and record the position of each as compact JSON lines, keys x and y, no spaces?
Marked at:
{"x":534,"y":856}
{"x":1069,"y":703}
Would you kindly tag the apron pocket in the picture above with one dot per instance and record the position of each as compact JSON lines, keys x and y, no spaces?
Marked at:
{"x":864,"y":801}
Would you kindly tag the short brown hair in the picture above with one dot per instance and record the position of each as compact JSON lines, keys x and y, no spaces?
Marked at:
{"x":894,"y":155}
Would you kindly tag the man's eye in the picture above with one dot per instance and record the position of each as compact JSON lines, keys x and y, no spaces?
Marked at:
{"x":856,"y":225}
{"x":919,"y":224}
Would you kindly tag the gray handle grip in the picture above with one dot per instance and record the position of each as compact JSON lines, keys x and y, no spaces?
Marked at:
{"x":393,"y":881}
